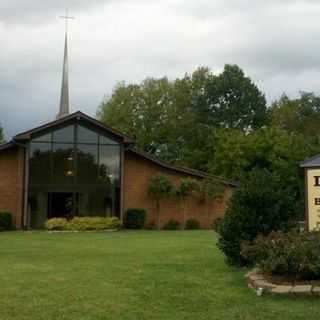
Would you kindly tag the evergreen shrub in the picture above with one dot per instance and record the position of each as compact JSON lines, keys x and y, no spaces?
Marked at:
{"x":192,"y":224}
{"x":6,"y":223}
{"x":135,"y":218}
{"x":172,"y":225}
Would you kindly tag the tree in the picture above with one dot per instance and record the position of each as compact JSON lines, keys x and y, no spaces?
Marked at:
{"x":262,"y":203}
{"x":173,"y":119}
{"x":185,"y":189}
{"x":301,"y":115}
{"x":160,"y":187}
{"x":208,"y":189}
{"x":237,"y":154}
{"x":229,"y":100}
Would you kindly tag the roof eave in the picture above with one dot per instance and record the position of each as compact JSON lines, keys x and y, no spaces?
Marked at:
{"x":25,"y":136}
{"x":192,"y":172}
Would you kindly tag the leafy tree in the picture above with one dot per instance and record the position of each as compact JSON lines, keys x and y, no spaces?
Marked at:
{"x":183,"y":191}
{"x":261,"y":204}
{"x":173,"y":119}
{"x":154,"y":112}
{"x":237,"y":154}
{"x":301,"y":115}
{"x":229,"y":100}
{"x":160,"y":187}
{"x":208,"y":189}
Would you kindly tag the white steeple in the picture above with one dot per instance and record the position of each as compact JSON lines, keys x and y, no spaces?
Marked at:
{"x":64,"y":98}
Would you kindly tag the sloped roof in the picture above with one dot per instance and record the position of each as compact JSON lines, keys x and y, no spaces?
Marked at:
{"x":6,"y":145}
{"x":188,"y":171}
{"x":76,"y":115}
{"x":311,"y":162}
{"x":25,"y":136}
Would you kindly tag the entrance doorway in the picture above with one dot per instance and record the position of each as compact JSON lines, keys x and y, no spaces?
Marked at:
{"x":60,"y":204}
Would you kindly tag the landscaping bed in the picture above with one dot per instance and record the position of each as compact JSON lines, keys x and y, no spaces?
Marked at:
{"x":266,"y":283}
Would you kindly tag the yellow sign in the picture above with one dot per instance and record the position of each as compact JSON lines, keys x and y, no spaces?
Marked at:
{"x":313,"y":198}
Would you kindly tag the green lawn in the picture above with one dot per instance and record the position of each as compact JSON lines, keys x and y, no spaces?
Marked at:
{"x":130,"y":275}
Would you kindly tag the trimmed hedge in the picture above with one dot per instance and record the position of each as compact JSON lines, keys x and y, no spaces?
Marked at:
{"x":83,"y":224}
{"x":172,"y":225}
{"x":192,"y":224}
{"x":135,"y":218}
{"x":6,"y":221}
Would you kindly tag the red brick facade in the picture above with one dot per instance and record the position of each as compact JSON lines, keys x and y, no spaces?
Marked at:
{"x":137,"y":172}
{"x":11,"y":182}
{"x":138,"y":168}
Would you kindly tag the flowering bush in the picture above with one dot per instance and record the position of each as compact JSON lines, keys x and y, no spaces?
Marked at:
{"x":83,"y":223}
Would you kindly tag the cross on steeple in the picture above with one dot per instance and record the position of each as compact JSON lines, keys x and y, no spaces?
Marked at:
{"x":66,"y":18}
{"x":64,"y":98}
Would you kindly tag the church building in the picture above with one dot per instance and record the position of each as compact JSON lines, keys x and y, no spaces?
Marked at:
{"x":77,"y":166}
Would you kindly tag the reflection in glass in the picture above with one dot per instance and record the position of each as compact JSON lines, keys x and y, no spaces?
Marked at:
{"x":44,"y":138}
{"x":109,"y":163}
{"x":105,"y":140}
{"x":87,"y":160}
{"x":63,"y":164}
{"x":87,"y":136}
{"x":65,"y":134}
{"x":70,"y":177}
{"x":40,"y":154}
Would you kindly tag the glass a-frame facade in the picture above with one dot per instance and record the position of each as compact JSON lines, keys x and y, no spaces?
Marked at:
{"x":73,"y":171}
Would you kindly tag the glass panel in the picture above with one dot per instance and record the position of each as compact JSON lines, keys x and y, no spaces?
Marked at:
{"x":96,"y":201}
{"x":87,"y":136}
{"x":39,"y":164}
{"x":63,"y":164}
{"x":88,"y":164}
{"x":105,"y":140}
{"x":44,"y":138}
{"x":37,"y":207}
{"x":64,"y":135}
{"x":109,"y":164}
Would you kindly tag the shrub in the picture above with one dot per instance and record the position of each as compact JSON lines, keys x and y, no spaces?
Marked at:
{"x":259,"y":205}
{"x":93,"y":223}
{"x":56,"y":224}
{"x":192,"y":224}
{"x":151,"y":226}
{"x":216,"y":224}
{"x":294,"y":255}
{"x":134,"y":218}
{"x":172,"y":225}
{"x":83,"y":223}
{"x":5,"y":221}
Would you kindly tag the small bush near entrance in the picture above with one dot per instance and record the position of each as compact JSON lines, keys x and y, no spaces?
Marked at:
{"x":135,"y":219}
{"x":5,"y":221}
{"x":293,"y":255}
{"x":192,"y":224}
{"x":172,"y":225}
{"x":84,"y":224}
{"x":57,"y":224}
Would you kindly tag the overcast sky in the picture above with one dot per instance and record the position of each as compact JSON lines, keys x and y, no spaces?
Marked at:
{"x":276,"y":42}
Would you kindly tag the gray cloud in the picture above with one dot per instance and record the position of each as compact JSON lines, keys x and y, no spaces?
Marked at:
{"x":275,"y":42}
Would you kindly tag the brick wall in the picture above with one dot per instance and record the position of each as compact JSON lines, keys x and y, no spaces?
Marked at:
{"x":11,"y":182}
{"x":137,"y":172}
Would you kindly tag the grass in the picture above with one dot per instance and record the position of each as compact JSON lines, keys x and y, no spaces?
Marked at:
{"x":130,"y":275}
